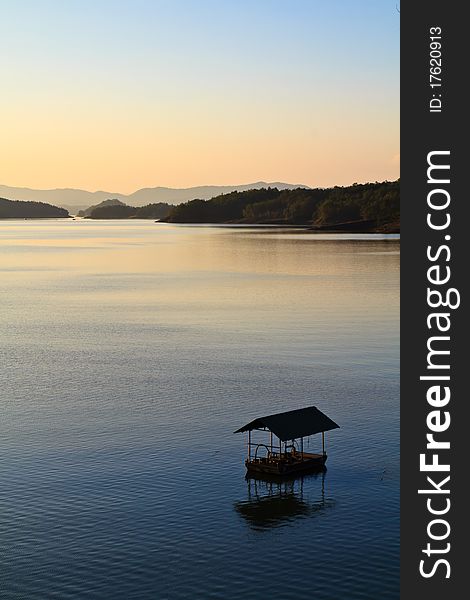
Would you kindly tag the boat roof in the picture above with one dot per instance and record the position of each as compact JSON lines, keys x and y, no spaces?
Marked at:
{"x":293,"y":423}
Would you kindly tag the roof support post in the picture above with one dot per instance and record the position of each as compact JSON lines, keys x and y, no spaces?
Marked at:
{"x":249,"y":445}
{"x":323,"y":442}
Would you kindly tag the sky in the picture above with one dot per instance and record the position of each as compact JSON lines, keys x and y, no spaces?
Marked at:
{"x":118,"y":95}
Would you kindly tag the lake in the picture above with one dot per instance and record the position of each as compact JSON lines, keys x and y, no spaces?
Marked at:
{"x":130,"y":353}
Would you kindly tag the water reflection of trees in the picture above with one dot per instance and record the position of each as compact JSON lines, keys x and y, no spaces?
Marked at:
{"x":273,"y":502}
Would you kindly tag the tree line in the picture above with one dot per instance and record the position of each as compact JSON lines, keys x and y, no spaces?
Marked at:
{"x":376,"y":204}
{"x":158,"y":210}
{"x":19,"y":209}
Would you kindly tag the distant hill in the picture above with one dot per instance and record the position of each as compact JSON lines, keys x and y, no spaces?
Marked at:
{"x":360,"y":207}
{"x":111,"y":202}
{"x":16,"y":209}
{"x":119,"y":210}
{"x":75,"y":200}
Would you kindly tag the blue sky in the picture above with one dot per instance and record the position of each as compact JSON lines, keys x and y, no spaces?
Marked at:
{"x":196,"y":92}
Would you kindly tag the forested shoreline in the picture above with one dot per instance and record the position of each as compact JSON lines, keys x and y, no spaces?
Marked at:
{"x":358,"y":207}
{"x":369,"y":206}
{"x":18,"y":209}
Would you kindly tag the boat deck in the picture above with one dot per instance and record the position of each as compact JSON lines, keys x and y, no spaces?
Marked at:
{"x":287,"y":463}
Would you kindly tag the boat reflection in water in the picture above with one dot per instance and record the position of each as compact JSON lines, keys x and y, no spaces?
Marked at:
{"x":276,"y":502}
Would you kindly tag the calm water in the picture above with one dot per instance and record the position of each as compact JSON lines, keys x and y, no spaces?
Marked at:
{"x":130,"y":352}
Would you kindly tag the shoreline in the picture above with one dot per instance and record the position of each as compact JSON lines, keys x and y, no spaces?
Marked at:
{"x":343,"y":228}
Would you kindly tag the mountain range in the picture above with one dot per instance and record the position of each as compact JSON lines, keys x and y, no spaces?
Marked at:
{"x":75,"y":199}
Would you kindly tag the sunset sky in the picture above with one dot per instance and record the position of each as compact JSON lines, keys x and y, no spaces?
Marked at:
{"x":125,"y":94}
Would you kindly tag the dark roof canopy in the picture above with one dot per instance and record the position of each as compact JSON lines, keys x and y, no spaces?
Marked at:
{"x":293,"y":423}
